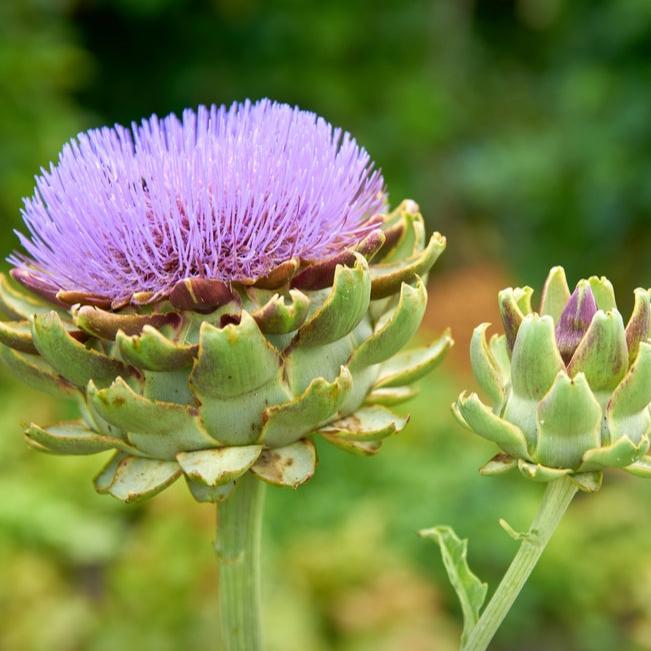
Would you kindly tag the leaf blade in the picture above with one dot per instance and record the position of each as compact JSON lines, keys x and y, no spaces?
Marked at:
{"x":470,"y":590}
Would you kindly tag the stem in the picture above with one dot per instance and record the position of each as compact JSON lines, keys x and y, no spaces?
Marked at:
{"x":557,"y":498}
{"x":239,"y":525}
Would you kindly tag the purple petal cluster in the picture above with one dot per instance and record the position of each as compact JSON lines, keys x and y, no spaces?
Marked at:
{"x":224,"y":193}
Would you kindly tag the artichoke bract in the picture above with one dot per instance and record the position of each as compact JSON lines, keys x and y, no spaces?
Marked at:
{"x":569,"y":386}
{"x":241,"y":345}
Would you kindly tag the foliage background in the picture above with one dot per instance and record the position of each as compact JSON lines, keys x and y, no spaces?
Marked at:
{"x":523,"y":129}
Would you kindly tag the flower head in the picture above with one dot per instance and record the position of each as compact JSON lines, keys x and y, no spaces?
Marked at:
{"x":212,"y":395}
{"x":223,"y":193}
{"x":569,"y":385}
{"x":216,"y":378}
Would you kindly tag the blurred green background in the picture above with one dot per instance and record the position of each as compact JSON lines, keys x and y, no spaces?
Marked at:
{"x":523,"y":128}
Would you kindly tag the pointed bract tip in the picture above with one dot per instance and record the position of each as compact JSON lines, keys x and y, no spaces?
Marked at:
{"x":555,"y":294}
{"x":637,"y":329}
{"x":36,"y":285}
{"x":511,"y":314}
{"x":603,"y":291}
{"x":200,"y":294}
{"x":575,"y":319}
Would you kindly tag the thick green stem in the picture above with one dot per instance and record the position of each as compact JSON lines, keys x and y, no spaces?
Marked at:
{"x":239,"y":524}
{"x":557,"y":498}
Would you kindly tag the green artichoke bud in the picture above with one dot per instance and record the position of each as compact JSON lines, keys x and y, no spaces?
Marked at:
{"x":216,"y":380}
{"x":569,"y":386}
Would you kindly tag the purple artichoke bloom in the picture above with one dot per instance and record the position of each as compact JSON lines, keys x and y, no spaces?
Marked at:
{"x":223,"y":194}
{"x":267,"y":297}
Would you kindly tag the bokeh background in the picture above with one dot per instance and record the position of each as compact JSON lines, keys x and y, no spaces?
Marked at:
{"x":523,"y":129}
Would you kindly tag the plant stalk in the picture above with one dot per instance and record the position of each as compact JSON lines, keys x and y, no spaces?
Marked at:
{"x":239,"y":528}
{"x":557,"y":498}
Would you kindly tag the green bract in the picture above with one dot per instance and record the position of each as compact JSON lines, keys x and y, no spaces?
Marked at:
{"x":220,"y":380}
{"x":569,"y":386}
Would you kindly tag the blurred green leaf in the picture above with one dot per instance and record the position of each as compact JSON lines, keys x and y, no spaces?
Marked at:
{"x":470,"y":590}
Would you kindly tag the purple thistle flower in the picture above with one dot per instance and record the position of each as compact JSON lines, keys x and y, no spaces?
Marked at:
{"x":223,"y":193}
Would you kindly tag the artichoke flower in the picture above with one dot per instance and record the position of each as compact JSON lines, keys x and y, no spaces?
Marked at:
{"x":569,"y":386}
{"x":217,"y":291}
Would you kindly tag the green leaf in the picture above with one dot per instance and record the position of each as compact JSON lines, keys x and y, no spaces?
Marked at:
{"x":470,"y":590}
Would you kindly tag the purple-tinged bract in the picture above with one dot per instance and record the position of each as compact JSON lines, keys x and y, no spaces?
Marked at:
{"x":223,"y":193}
{"x":575,"y":320}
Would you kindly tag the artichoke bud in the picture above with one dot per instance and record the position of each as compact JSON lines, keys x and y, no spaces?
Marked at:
{"x":569,"y":387}
{"x":211,"y":380}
